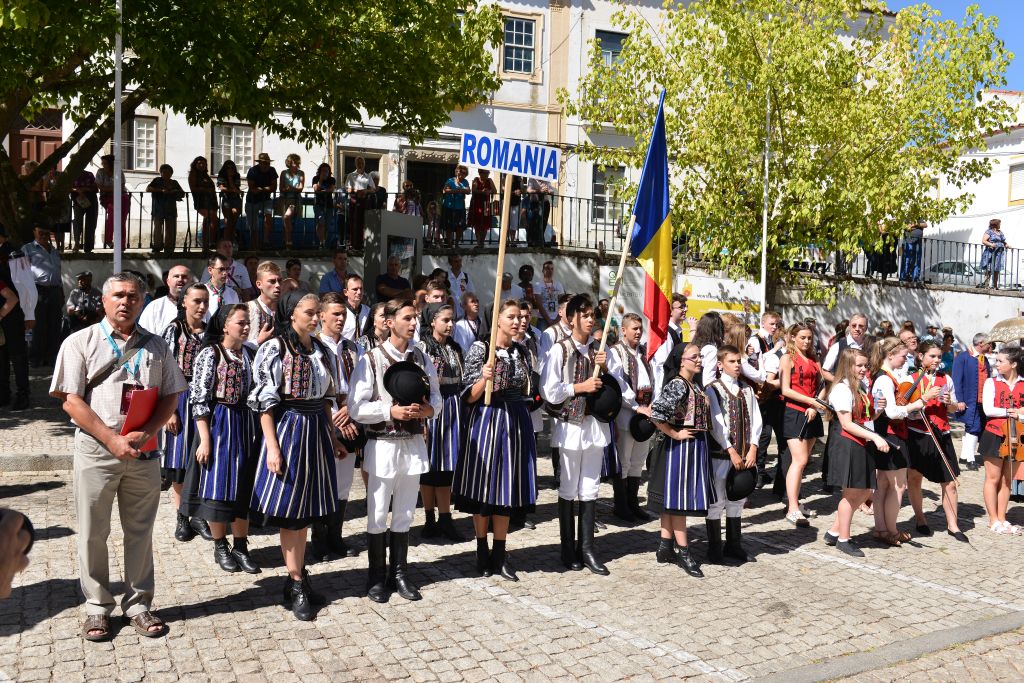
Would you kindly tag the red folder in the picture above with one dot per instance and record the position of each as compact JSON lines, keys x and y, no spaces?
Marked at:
{"x":141,"y":407}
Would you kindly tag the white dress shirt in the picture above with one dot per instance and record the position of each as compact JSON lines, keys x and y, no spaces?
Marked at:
{"x":885,"y":388}
{"x":459,"y":285}
{"x":555,"y":389}
{"x":160,"y":313}
{"x":465,"y":333}
{"x":988,"y":397}
{"x":354,"y":322}
{"x":619,"y":369}
{"x":660,"y":356}
{"x":832,"y":357}
{"x":237,"y":279}
{"x":226,"y":296}
{"x":720,"y":421}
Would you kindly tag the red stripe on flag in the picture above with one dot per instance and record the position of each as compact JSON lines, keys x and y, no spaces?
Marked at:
{"x":657,"y":310}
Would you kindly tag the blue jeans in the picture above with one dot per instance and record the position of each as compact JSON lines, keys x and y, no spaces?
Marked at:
{"x":910,"y":262}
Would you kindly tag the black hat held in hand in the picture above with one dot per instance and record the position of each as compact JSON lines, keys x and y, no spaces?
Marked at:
{"x":740,"y":483}
{"x":407,"y":383}
{"x":605,"y":403}
{"x":641,"y":428}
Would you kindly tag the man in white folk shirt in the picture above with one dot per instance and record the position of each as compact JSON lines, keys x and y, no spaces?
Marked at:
{"x":263,"y":307}
{"x":458,"y":282}
{"x":675,"y":336}
{"x":557,"y":331}
{"x":762,"y":354}
{"x":162,"y":311}
{"x":220,"y":293}
{"x":237,"y":277}
{"x":357,"y":313}
{"x":327,"y":536}
{"x":467,"y":329}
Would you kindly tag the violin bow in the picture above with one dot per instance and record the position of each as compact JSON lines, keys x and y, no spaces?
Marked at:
{"x":935,"y":440}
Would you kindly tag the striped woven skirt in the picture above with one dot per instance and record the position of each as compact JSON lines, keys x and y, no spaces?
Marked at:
{"x":308,"y":490}
{"x":445,"y":432}
{"x":177,"y":447}
{"x":221,"y":490}
{"x":681,"y":479}
{"x":610,"y":467}
{"x":496,"y":473}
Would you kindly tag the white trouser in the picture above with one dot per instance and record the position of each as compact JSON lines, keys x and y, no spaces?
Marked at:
{"x":720,"y":470}
{"x":580,"y":475}
{"x":398,"y":493}
{"x":344,"y":470}
{"x":969,"y":448}
{"x":632,"y":454}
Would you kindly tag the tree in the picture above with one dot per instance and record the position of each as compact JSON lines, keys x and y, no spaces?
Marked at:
{"x":867,"y":108}
{"x":328,"y":65}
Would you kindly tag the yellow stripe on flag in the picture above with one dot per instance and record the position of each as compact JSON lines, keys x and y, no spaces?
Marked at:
{"x":656,"y":258}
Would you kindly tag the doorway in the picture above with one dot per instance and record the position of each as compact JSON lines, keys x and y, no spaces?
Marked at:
{"x":429,"y":177}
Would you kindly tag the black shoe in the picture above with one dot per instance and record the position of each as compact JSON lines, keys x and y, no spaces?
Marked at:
{"x":620,"y":501}
{"x":714,"y":529}
{"x":499,"y":563}
{"x":958,"y":535}
{"x":430,"y":529}
{"x":566,"y":529}
{"x":850,"y":548}
{"x":222,"y":555}
{"x":20,"y":403}
{"x":317,"y":550}
{"x":335,"y":524}
{"x":483,"y":554}
{"x":764,"y":480}
{"x":973,"y":466}
{"x":666,"y":552}
{"x":301,"y":606}
{"x":183,"y":531}
{"x":446,"y":527}
{"x":588,"y":512}
{"x":688,"y":564}
{"x":830,"y":538}
{"x":924,"y":529}
{"x":315,"y":598}
{"x":633,"y":500}
{"x":376,"y":580}
{"x":201,"y":528}
{"x":733,"y":540}
{"x":399,"y":567}
{"x":240,"y":551}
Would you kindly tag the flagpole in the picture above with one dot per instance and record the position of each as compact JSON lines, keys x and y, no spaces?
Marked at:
{"x":615,"y":289}
{"x":118,"y":181}
{"x":503,"y":238}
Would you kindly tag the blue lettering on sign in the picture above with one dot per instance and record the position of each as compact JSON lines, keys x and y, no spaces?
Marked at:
{"x":551,"y":170}
{"x":468,"y":146}
{"x":509,"y":156}
{"x":516,"y":163}
{"x":483,"y":152}
{"x":500,"y":153}
{"x":530,"y":162}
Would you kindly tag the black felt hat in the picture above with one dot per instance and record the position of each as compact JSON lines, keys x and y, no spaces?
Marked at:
{"x":641,"y":428}
{"x":407,"y":383}
{"x":740,"y":483}
{"x":604,"y":404}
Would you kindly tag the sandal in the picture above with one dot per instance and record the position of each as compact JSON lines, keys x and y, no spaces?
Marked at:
{"x":143,"y":621}
{"x":798,"y":520}
{"x":886,"y":538}
{"x":903,"y":536}
{"x":96,"y":622}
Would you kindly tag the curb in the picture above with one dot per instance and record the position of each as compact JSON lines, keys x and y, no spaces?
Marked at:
{"x":35,"y":462}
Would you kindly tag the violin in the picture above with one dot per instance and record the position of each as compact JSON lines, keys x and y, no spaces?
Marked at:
{"x":1011,"y":447}
{"x":908,"y":392}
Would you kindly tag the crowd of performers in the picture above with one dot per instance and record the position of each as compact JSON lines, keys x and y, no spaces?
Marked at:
{"x":289,"y":396}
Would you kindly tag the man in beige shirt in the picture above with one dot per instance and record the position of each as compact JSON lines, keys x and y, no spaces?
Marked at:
{"x":96,"y":371}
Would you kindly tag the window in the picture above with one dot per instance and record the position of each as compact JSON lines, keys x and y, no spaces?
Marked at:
{"x":231,"y":141}
{"x":1016,"y":184}
{"x":519,"y":45}
{"x":611,"y":46}
{"x":138,"y":142}
{"x":604,"y":207}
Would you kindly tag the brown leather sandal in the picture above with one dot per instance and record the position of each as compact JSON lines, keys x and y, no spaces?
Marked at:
{"x":886,"y":538}
{"x":903,"y":536}
{"x":96,"y":622}
{"x":144,"y":621}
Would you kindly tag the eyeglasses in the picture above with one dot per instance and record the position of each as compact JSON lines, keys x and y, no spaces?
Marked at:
{"x":693,"y":359}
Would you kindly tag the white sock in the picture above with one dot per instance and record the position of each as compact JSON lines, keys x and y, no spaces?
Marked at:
{"x":969,"y":447}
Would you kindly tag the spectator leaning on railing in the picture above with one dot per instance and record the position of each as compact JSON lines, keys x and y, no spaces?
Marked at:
{"x":359,"y":185}
{"x":204,"y":199}
{"x":910,"y":263}
{"x":230,"y":184}
{"x":166,"y":194}
{"x":453,"y":206}
{"x":994,"y":241}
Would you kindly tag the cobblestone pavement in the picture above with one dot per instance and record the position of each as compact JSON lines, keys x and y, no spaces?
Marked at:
{"x":801,"y":604}
{"x":43,"y":429}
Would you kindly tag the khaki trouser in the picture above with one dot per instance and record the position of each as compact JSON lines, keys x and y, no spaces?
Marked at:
{"x":98,"y":477}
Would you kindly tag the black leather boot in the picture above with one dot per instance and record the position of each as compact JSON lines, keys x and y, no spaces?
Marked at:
{"x":588,"y":512}
{"x":183,"y":531}
{"x":733,"y":540}
{"x":567,"y":529}
{"x":633,"y":500}
{"x":399,"y":567}
{"x":620,"y":502}
{"x":556,"y":465}
{"x":376,"y":580}
{"x":430,"y":529}
{"x":446,"y":527}
{"x":483,"y":566}
{"x":714,"y":527}
{"x":315,"y":598}
{"x":302,"y":608}
{"x":666,"y":551}
{"x":20,"y":401}
{"x":240,"y":551}
{"x":499,"y":562}
{"x":335,"y":525}
{"x":688,"y":564}
{"x":201,"y":527}
{"x":317,"y":550}
{"x":222,"y":555}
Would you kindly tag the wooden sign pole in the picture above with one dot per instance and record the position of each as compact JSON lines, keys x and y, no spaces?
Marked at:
{"x":506,"y":201}
{"x":615,"y":290}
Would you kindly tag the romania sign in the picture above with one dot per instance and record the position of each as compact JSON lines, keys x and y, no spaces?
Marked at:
{"x":509,"y":156}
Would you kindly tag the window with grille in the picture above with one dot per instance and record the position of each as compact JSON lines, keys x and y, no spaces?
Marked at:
{"x":519,"y":45}
{"x":604,"y":207}
{"x":232,"y":141}
{"x":138,"y":143}
{"x":1017,"y":184}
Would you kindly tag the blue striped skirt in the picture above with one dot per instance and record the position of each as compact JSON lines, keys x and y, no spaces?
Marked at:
{"x":178,"y":447}
{"x":232,"y":432}
{"x":497,"y":470}
{"x":308,"y":489}
{"x":681,"y":479}
{"x":445,"y":435}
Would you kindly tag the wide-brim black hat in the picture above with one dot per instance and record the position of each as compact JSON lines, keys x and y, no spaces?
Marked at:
{"x":605,"y":403}
{"x":740,"y":483}
{"x":641,"y":428}
{"x":407,"y":383}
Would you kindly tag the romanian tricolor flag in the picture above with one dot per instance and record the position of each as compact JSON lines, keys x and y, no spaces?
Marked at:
{"x":651,"y":242}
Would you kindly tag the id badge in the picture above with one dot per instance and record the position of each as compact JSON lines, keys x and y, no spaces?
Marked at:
{"x":126,"y":395}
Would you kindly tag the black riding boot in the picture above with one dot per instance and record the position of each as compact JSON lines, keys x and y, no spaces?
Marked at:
{"x":499,"y":562}
{"x":588,"y":513}
{"x":334,"y":527}
{"x":714,"y":540}
{"x":567,"y":528}
{"x":301,"y":606}
{"x":399,"y":567}
{"x":222,"y":555}
{"x":633,"y":500}
{"x":446,"y":527}
{"x":621,"y":501}
{"x":733,"y":540}
{"x":240,"y":551}
{"x":556,"y":466}
{"x":429,"y":529}
{"x":688,"y":564}
{"x":318,"y":549}
{"x":376,"y":580}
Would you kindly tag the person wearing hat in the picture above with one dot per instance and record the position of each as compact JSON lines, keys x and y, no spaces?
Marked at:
{"x":444,"y":430}
{"x":994,"y":241}
{"x":296,"y":484}
{"x":566,"y":380}
{"x":393,"y":392}
{"x":219,"y":481}
{"x":327,"y":536}
{"x":84,"y":306}
{"x":629,"y":365}
{"x":736,"y":431}
{"x":681,"y":481}
{"x":261,"y":180}
{"x":496,"y":473}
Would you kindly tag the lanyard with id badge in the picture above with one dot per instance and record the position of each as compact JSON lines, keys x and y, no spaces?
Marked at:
{"x":137,"y":402}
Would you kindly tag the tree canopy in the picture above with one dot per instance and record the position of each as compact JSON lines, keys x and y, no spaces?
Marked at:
{"x":327,"y":65}
{"x":868,"y":109}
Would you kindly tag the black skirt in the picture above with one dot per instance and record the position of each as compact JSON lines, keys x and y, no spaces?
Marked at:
{"x":989,"y":444}
{"x":925,"y":457}
{"x":440,"y":479}
{"x":851,"y":466}
{"x":174,"y":475}
{"x":897,"y":458}
{"x":795,"y":425}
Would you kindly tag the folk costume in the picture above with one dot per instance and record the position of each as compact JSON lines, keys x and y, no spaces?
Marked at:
{"x":998,"y":396}
{"x":924,"y":455}
{"x":891,"y":424}
{"x":852,"y":458}
{"x":636,"y":378}
{"x":394,"y":458}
